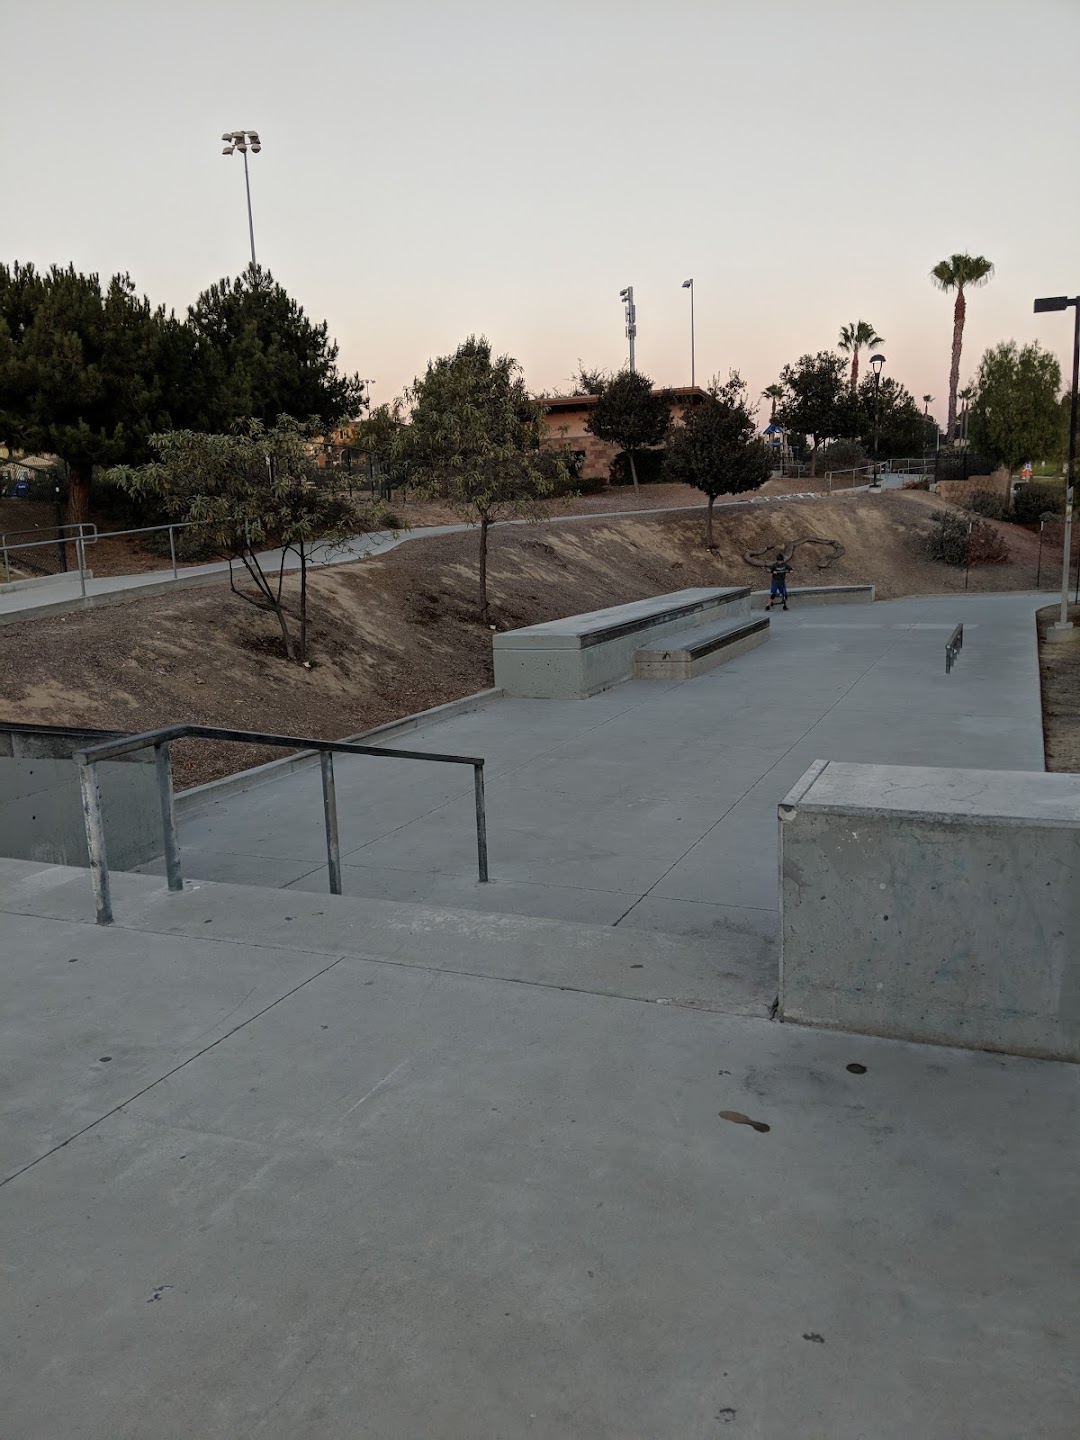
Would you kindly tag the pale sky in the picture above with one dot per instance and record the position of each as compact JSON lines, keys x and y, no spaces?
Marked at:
{"x":435,"y":168}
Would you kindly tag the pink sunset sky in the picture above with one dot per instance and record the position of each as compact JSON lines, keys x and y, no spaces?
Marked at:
{"x":434,"y":168}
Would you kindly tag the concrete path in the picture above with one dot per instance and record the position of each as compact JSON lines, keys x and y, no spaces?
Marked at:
{"x":66,"y":592}
{"x":653,"y":805}
{"x":271,"y":1172}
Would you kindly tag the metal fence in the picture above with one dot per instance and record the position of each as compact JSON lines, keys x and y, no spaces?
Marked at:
{"x":88,"y":760}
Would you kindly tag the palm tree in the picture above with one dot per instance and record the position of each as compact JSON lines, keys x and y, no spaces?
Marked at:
{"x":959,"y":272}
{"x":773,"y":393}
{"x":852,"y":339}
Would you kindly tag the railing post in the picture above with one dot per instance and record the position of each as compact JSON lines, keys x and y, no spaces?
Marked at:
{"x":7,"y":567}
{"x":80,"y":555}
{"x":481,"y":823}
{"x":163,"y":766}
{"x":329,"y":798}
{"x":95,"y":838}
{"x":172,"y":549}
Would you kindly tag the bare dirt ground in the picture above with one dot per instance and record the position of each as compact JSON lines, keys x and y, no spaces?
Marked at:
{"x":1059,"y":668}
{"x":398,"y":633}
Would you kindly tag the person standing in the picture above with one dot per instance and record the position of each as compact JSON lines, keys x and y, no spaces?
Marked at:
{"x":779,"y":570}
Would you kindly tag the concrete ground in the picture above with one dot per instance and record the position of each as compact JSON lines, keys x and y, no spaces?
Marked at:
{"x":652,"y":806}
{"x":287,"y":1167}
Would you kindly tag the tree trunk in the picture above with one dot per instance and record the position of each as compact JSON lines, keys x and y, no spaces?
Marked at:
{"x":708,"y":523}
{"x":813,"y":458}
{"x":855,"y":370}
{"x":290,"y":649}
{"x":959,"y":313}
{"x":483,"y":571}
{"x":633,"y":468}
{"x":79,"y":493}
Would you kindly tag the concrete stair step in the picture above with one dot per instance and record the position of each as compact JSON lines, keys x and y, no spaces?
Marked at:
{"x":633,"y":964}
{"x":693,"y":651}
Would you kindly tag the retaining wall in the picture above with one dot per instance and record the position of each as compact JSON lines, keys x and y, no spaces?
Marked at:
{"x":41,"y":804}
{"x":933,"y":905}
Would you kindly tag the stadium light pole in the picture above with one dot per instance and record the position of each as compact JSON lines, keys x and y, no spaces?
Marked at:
{"x":689,"y":285}
{"x":1063,"y":302}
{"x":244,"y":140}
{"x":627,"y":297}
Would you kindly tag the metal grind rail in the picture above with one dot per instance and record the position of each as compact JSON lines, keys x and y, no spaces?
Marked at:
{"x":953,"y":646}
{"x":88,"y":760}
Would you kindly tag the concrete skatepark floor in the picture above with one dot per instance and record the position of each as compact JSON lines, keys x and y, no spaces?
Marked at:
{"x":653,"y":805}
{"x":284,"y":1165}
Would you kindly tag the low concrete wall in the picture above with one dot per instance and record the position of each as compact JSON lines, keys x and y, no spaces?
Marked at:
{"x":581,"y":655}
{"x":802,"y":595}
{"x":41,"y":806}
{"x":933,"y":905}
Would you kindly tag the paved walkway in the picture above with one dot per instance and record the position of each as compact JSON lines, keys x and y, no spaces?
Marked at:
{"x":652,"y":806}
{"x":66,"y":593}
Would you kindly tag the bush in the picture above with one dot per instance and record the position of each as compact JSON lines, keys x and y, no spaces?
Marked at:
{"x":650,"y":467}
{"x":1033,"y":501}
{"x":923,"y":484}
{"x":985,"y":503}
{"x":952,"y":541}
{"x":842,"y":455}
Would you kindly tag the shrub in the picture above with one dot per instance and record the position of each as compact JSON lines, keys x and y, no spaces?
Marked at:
{"x":985,"y":503}
{"x":922,"y":484}
{"x":842,"y":455}
{"x":1033,"y":501}
{"x":650,"y":467}
{"x":952,"y":541}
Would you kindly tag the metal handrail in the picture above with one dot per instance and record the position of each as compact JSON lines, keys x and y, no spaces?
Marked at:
{"x":953,"y":646}
{"x":88,"y":760}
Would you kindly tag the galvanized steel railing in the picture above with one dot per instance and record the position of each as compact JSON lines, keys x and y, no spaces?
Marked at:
{"x":88,"y":760}
{"x":953,"y":646}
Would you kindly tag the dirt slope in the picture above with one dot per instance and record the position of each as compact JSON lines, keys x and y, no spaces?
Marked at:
{"x":398,"y":634}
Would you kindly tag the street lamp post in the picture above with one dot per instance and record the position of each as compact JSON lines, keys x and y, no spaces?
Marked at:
{"x":876,"y":363}
{"x":689,"y":285}
{"x":1063,"y":302}
{"x":244,"y":140}
{"x":627,"y":297}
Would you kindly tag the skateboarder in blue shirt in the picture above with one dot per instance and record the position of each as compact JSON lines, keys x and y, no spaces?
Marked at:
{"x":779,"y":570}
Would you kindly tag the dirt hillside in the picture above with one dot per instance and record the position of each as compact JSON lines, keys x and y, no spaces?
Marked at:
{"x":398,"y":633}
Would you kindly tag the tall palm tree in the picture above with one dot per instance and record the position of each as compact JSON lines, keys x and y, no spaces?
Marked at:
{"x":852,"y":338}
{"x":773,"y":393}
{"x":959,"y":273}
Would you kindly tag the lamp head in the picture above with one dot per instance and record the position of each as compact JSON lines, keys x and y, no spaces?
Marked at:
{"x":688,"y":284}
{"x":876,"y":362}
{"x":1051,"y":302}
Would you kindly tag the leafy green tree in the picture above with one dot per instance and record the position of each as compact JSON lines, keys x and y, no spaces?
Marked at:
{"x":816,"y":400}
{"x":960,"y":273}
{"x":715,"y":446}
{"x":262,"y":357}
{"x":248,"y":490}
{"x":852,"y":339}
{"x":474,"y":441}
{"x":86,"y":373}
{"x":901,"y":425}
{"x":1016,"y":415}
{"x":630,"y":414}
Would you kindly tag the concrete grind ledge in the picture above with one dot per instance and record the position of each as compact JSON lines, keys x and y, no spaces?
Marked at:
{"x":199,"y":796}
{"x":933,"y":905}
{"x":580,"y":655}
{"x":802,"y":595}
{"x":682,"y":657}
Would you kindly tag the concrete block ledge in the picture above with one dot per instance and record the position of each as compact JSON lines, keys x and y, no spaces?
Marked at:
{"x":581,"y":655}
{"x":681,"y":657}
{"x":933,"y":905}
{"x":800,"y":595}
